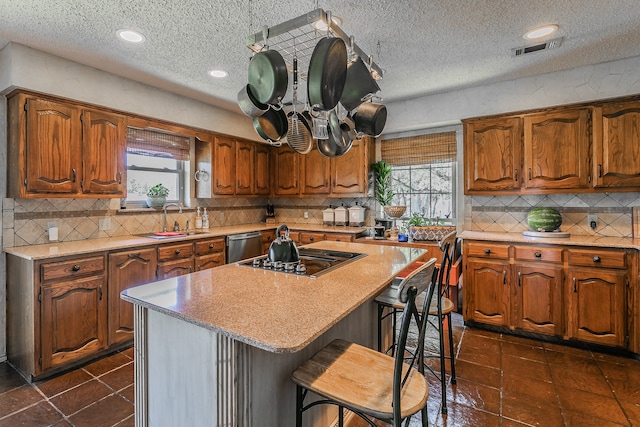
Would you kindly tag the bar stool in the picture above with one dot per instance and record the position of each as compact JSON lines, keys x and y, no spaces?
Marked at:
{"x":369,"y":383}
{"x":441,"y":309}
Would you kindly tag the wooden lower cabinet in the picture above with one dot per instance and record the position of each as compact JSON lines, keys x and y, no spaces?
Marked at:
{"x":537,"y":299}
{"x":487,"y":292}
{"x":127,"y":269}
{"x":209,"y":253}
{"x":268,"y":236}
{"x":73,"y":321}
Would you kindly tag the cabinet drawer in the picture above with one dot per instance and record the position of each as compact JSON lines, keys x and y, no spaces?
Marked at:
{"x":339,"y":237}
{"x":597,"y":258}
{"x":532,"y":253}
{"x":209,"y":246}
{"x":311,"y":237}
{"x":487,"y":250}
{"x":71,"y":268}
{"x":209,"y":261}
{"x":295,"y":236}
{"x":176,"y":268}
{"x":268,"y":236}
{"x":179,"y":251}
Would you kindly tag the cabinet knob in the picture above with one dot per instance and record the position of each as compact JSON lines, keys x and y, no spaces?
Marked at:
{"x":76,"y":267}
{"x":538,"y":255}
{"x":596,"y":258}
{"x":210,"y":245}
{"x":487,"y":251}
{"x":177,"y":251}
{"x":311,"y":238}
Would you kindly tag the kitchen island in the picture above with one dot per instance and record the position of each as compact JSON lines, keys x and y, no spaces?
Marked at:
{"x":217,"y":347}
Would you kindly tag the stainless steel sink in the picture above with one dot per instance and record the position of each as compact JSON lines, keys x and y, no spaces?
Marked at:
{"x":173,"y":235}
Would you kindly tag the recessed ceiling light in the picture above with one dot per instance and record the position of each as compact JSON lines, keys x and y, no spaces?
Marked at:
{"x":320,"y":25}
{"x":539,"y":32}
{"x":130,"y":36}
{"x":218,"y":73}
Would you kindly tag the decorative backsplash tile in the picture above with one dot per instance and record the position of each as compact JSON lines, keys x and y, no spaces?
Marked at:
{"x":509,"y":213}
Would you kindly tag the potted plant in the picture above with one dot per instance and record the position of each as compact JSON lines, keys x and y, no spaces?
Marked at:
{"x":157,"y":196}
{"x":383,"y":191}
{"x":421,"y":228}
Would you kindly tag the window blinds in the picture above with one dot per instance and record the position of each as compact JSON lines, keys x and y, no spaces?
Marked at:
{"x":157,"y":144}
{"x":420,"y":149}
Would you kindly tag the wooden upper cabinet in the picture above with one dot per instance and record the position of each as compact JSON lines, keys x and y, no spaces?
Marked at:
{"x":262,"y":173}
{"x":349,"y":171}
{"x":616,"y":145}
{"x":493,"y":154}
{"x":104,"y":146}
{"x":556,"y":149}
{"x":315,"y":173}
{"x":224,"y":170}
{"x":245,"y":167}
{"x":285,"y":171}
{"x":52,"y":148}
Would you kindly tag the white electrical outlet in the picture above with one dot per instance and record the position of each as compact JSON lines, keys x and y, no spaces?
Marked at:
{"x":592,"y":221}
{"x":104,"y":224}
{"x":306,"y":214}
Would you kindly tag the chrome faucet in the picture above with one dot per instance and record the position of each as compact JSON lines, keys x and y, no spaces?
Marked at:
{"x":164,"y":213}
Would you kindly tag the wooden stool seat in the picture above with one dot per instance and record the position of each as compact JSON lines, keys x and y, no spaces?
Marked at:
{"x":359,"y":377}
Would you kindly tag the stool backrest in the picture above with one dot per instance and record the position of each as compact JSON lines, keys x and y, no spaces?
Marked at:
{"x":418,"y":278}
{"x":424,"y":277}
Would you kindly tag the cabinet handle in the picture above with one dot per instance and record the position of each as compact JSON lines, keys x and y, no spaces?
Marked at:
{"x":100,"y":292}
{"x":515,"y":175}
{"x":530,"y":175}
{"x":311,"y":238}
{"x":575,"y":288}
{"x":210,"y":245}
{"x":504,"y":277}
{"x":196,"y":176}
{"x":596,"y":258}
{"x":76,"y":267}
{"x":73,"y":175}
{"x":538,"y":255}
{"x":487,"y":251}
{"x":599,"y":170}
{"x":519,"y":278}
{"x":177,"y":251}
{"x":119,"y":177}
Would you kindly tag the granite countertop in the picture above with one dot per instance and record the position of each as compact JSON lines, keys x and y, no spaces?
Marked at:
{"x":573,"y":240}
{"x":275,"y":311}
{"x":78,"y":247}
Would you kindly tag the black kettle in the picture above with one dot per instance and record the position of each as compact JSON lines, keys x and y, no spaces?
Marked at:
{"x":283,"y":248}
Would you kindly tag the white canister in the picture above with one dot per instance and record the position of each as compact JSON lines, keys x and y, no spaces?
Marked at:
{"x":356,"y":216}
{"x":327,"y":216}
{"x":340,"y":216}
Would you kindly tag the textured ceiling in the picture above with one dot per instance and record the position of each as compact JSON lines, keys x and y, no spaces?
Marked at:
{"x":425,"y":46}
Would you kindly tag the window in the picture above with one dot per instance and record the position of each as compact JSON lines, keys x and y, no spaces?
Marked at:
{"x":156,"y":158}
{"x":424,"y":173}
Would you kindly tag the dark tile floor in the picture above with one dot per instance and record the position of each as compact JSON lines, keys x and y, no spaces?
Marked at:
{"x":502,"y":381}
{"x":96,"y":395}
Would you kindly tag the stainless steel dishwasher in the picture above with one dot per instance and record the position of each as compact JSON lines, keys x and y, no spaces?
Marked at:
{"x":243,"y":246}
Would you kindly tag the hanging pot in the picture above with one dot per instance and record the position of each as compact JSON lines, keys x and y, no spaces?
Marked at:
{"x":327,"y":73}
{"x":272,"y":125}
{"x":336,"y":144}
{"x":370,"y":118}
{"x":268,"y":76}
{"x":358,"y":85}
{"x":299,"y":134}
{"x":249,"y":104}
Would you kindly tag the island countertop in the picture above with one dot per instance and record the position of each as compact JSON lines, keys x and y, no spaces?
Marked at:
{"x":275,"y":311}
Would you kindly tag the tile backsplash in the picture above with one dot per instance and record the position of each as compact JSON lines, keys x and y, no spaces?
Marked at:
{"x":509,"y":213}
{"x":26,"y":221}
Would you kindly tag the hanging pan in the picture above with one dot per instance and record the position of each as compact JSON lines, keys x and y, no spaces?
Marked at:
{"x":299,"y":136}
{"x":370,"y":118}
{"x":358,"y":85}
{"x":327,"y":73}
{"x":338,"y":143}
{"x":272,"y":125}
{"x":268,"y":76}
{"x":249,"y":104}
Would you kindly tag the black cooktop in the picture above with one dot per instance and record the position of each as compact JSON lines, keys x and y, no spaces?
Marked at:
{"x":313,"y":262}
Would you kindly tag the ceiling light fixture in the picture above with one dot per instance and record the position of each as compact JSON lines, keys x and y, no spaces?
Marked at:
{"x":130,"y":36}
{"x":218,"y":73}
{"x":540,"y":32}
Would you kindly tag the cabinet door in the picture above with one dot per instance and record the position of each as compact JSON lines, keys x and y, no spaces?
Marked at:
{"x":597,"y":306}
{"x":315,"y":172}
{"x":492,"y":154}
{"x":537,"y":305}
{"x":616,"y":145}
{"x":103,"y":153}
{"x":262,"y":175}
{"x":209,"y":261}
{"x":349,"y":171}
{"x":245,"y":170}
{"x":73,"y":321}
{"x":202,"y":176}
{"x":53,"y":147}
{"x":285,"y":172}
{"x":556,"y":150}
{"x":177,"y":268}
{"x":487,"y":292}
{"x":127,"y":269}
{"x":224,"y":171}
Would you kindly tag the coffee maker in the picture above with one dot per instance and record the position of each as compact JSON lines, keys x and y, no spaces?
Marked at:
{"x":270,"y":216}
